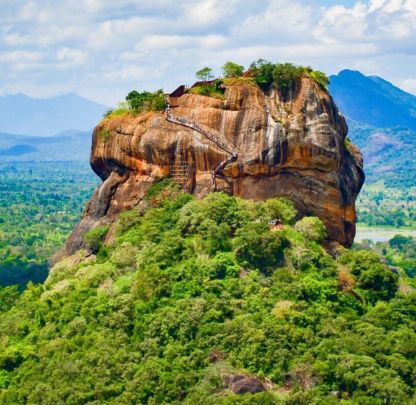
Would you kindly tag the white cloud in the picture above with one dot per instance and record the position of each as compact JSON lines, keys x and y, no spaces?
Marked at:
{"x":70,"y":57}
{"x":19,"y":56}
{"x":409,"y":85}
{"x":107,"y":47}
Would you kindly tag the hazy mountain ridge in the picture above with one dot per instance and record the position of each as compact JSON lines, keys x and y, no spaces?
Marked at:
{"x":21,"y":114}
{"x":65,"y":146}
{"x":373,"y":100}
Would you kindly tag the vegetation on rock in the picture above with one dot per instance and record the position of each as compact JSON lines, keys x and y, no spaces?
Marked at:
{"x":285,"y":75}
{"x":138,"y":102}
{"x":205,"y":74}
{"x":193,"y":291}
{"x":209,"y":89}
{"x":231,"y":69}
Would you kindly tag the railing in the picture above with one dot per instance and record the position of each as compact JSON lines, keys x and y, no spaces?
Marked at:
{"x":211,"y":136}
{"x":194,"y":125}
{"x":180,"y":173}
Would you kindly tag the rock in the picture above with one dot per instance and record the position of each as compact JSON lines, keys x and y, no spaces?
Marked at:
{"x":244,"y":384}
{"x":291,"y":148}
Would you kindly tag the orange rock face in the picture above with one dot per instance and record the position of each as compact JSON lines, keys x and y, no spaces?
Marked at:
{"x":292,"y":148}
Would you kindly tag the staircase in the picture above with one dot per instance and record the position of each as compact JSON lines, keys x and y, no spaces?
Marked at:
{"x":212,"y":136}
{"x":208,"y":134}
{"x":180,"y":173}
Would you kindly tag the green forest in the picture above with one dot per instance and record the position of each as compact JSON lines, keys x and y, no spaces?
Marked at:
{"x":191,"y":292}
{"x":381,"y":203}
{"x":40,"y":202}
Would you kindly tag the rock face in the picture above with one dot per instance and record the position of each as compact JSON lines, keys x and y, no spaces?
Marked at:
{"x":244,"y":384}
{"x":293,"y":147}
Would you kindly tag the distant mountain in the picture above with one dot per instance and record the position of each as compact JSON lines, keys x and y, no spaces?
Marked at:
{"x":382,"y":123}
{"x":372,"y":100}
{"x":66,"y":146}
{"x":20,"y":114}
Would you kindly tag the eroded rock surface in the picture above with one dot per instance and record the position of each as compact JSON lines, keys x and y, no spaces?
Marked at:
{"x":294,"y":148}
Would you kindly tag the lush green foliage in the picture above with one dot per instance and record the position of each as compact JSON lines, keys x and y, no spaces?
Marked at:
{"x":146,"y":101}
{"x":209,"y":89}
{"x":285,"y":75}
{"x":400,"y":252}
{"x":189,"y":278}
{"x":138,"y":102}
{"x":205,"y":74}
{"x":231,"y":69}
{"x":39,"y":205}
{"x":312,"y":227}
{"x":382,"y":205}
{"x":94,"y":238}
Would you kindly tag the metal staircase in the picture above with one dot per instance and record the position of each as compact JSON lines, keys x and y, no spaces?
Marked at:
{"x":180,"y":173}
{"x":212,"y":136}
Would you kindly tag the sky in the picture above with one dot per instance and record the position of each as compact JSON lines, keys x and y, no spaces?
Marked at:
{"x":102,"y":49}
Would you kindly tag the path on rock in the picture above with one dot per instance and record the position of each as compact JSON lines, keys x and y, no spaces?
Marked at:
{"x":212,"y":137}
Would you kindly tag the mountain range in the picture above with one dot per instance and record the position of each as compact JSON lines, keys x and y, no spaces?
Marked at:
{"x":381,"y":119}
{"x":21,"y":114}
{"x":382,"y":123}
{"x":65,"y":146}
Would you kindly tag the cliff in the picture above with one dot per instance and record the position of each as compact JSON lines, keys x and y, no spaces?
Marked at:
{"x":293,"y":146}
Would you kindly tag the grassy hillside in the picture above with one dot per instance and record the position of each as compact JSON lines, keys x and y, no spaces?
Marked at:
{"x":192,"y":292}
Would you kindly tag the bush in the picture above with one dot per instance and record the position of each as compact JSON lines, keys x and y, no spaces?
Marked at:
{"x":256,"y":247}
{"x":284,"y":76}
{"x":94,"y":237}
{"x":372,"y":275}
{"x":312,"y":227}
{"x":281,"y":209}
{"x":146,"y":101}
{"x":320,"y":78}
{"x":211,"y":90}
{"x":262,"y":70}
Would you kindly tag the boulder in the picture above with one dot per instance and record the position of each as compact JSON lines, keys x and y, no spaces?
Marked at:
{"x":291,"y":147}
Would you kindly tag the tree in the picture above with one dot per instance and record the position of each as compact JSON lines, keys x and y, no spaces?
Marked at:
{"x":231,"y":69}
{"x":312,"y":227}
{"x":205,"y":74}
{"x":262,"y":71}
{"x":146,"y":100}
{"x":285,"y":75}
{"x":258,"y":248}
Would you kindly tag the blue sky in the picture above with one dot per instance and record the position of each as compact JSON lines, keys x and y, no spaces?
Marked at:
{"x":101,"y":49}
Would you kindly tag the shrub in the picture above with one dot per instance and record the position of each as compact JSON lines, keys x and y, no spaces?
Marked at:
{"x":320,"y":78}
{"x":285,"y":75}
{"x":211,"y":90}
{"x":372,"y":275}
{"x":256,"y":247}
{"x":94,"y":237}
{"x":281,"y":209}
{"x":146,"y":101}
{"x":312,"y":227}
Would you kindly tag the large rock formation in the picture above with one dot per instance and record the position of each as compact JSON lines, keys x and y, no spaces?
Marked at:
{"x":294,"y":147}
